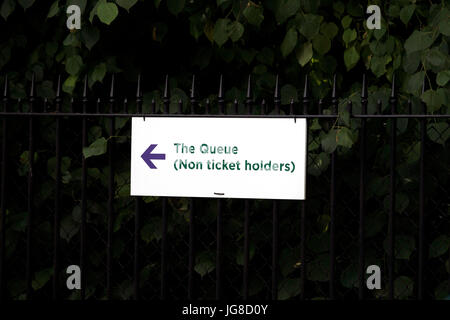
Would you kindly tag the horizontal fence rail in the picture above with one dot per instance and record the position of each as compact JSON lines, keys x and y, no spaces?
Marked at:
{"x":100,"y":244}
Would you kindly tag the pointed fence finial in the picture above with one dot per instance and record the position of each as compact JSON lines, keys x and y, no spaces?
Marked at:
{"x":364,"y":87}
{"x":364,"y":100}
{"x":334,"y":100}
{"x":333,"y":92}
{"x":166,"y":87}
{"x":291,"y":106}
{"x":276,"y":93}
{"x":85,"y":86}
{"x":138,"y":90}
{"x":305,"y":90}
{"x":58,"y":87}
{"x":32,"y":86}
{"x":193,"y":87}
{"x":220,"y":95}
{"x":249,"y":87}
{"x":5,"y":87}
{"x":393,"y":86}
{"x":263,"y":106}
{"x":111,"y":92}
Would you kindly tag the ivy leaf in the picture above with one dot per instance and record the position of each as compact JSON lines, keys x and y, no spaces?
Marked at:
{"x":99,"y":73}
{"x":346,"y":22}
{"x":444,"y":26}
{"x":418,"y":41}
{"x":406,"y":13}
{"x":328,"y":142}
{"x":443,"y":77}
{"x":439,"y":246}
{"x":69,"y":84}
{"x":175,"y":6}
{"x":253,"y":14}
{"x":351,"y":57}
{"x":221,"y":31}
{"x":289,"y":42}
{"x":96,"y":148}
{"x":26,"y":3}
{"x":286,"y":9}
{"x":348,"y":36}
{"x":310,"y":25}
{"x":344,"y":137}
{"x":411,"y":62}
{"x":415,"y":82}
{"x":321,"y":44}
{"x":378,"y":65}
{"x":107,"y":12}
{"x":304,"y":53}
{"x":73,"y":64}
{"x":90,"y":36}
{"x":288,"y":288}
{"x":434,"y":99}
{"x":54,"y":8}
{"x":7,"y":8}
{"x":330,"y":30}
{"x":126,"y":4}
{"x":435,"y":57}
{"x":236,"y":30}
{"x":41,"y":278}
{"x":204,"y":264}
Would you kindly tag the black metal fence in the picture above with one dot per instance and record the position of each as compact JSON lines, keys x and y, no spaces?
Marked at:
{"x":169,"y":248}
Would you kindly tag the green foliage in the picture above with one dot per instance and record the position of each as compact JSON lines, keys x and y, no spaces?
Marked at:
{"x":96,"y":148}
{"x":290,"y":38}
{"x":107,"y":12}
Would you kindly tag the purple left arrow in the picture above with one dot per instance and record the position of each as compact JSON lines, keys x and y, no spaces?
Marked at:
{"x":148,"y":156}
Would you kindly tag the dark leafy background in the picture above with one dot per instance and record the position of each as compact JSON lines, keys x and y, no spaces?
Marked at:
{"x":235,"y":38}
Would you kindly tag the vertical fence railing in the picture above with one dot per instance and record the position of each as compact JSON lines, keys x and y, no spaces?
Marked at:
{"x":421,"y":264}
{"x":166,"y":102}
{"x":57,"y":215}
{"x":249,"y":107}
{"x":32,"y":211}
{"x":332,"y":293}
{"x":219,"y":231}
{"x":109,"y":248}
{"x":391,"y":234}
{"x":362,"y":190}
{"x":275,"y":222}
{"x":83,"y":192}
{"x":138,"y":211}
{"x":30,"y":204}
{"x":3,"y":193}
{"x":191,"y":261}
{"x":305,"y":103}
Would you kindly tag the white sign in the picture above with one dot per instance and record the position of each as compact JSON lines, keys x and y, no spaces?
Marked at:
{"x":260,"y":158}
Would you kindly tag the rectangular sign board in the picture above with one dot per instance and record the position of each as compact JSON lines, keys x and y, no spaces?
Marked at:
{"x":218,"y":157}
